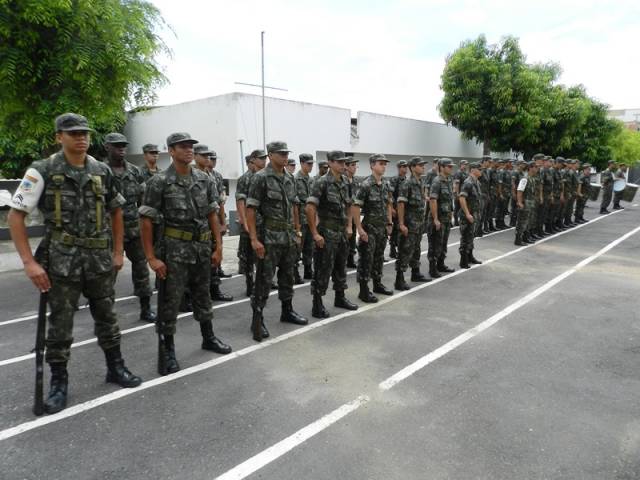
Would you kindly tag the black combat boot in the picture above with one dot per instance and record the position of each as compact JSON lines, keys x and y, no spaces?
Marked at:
{"x":442,"y":267}
{"x":168,"y":364}
{"x":604,"y":211}
{"x":512,"y":221}
{"x":479,"y":232}
{"x":288,"y":315}
{"x":308,"y":272}
{"x":518,"y":241}
{"x":464,"y":260}
{"x":210,"y":341}
{"x":417,"y":276}
{"x":525,"y":239}
{"x":217,"y":294}
{"x":473,"y":259}
{"x":116,"y":370}
{"x":341,"y":301}
{"x":222,"y":274}
{"x":400,"y":283}
{"x":257,"y":324}
{"x":492,"y":227}
{"x":57,"y":397}
{"x":351,"y":261}
{"x":433,"y":269}
{"x":185,"y":303}
{"x":365,"y":294}
{"x":318,"y":310}
{"x":296,"y":277}
{"x":249,"y":283}
{"x":146,"y":314}
{"x":393,"y":252}
{"x":378,"y":287}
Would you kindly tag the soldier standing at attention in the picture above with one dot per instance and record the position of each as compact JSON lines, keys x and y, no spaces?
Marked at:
{"x":582,"y":195}
{"x":187,"y":200}
{"x":571,"y":190}
{"x":291,"y":166}
{"x":329,"y":219}
{"x":501,"y":195}
{"x":516,"y":175}
{"x":428,"y":180}
{"x":224,"y":227}
{"x":486,"y":194}
{"x":323,"y":168}
{"x":440,"y":209}
{"x":506,"y":189}
{"x":374,"y":200}
{"x":470,"y":202}
{"x":526,"y":198}
{"x":150,"y":153}
{"x":353,"y":183}
{"x":272,"y":194}
{"x":558,"y":194}
{"x":490,"y":173}
{"x":547,"y":196}
{"x":606,"y":180}
{"x":394,"y":183}
{"x":411,"y":216}
{"x":129,"y":181}
{"x":458,"y":179}
{"x":617,"y":196}
{"x":79,"y":251}
{"x":540,"y":215}
{"x":534,"y":180}
{"x":303,"y":189}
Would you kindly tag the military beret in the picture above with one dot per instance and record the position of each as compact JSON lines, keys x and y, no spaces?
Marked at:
{"x":258,"y":154}
{"x":610,"y":162}
{"x":180,"y":137}
{"x":291,"y":161}
{"x":539,"y":156}
{"x":445,"y":162}
{"x":150,"y":148}
{"x":350,"y":160}
{"x":115,"y":137}
{"x":306,"y":158}
{"x":278,"y":147}
{"x":201,"y":149}
{"x":402,"y":163}
{"x":464,"y":162}
{"x":378,"y":157}
{"x":473,"y":165}
{"x":72,"y":122}
{"x":336,"y":156}
{"x":417,"y":161}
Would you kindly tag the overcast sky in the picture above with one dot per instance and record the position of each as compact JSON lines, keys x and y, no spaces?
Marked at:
{"x":387,"y":56}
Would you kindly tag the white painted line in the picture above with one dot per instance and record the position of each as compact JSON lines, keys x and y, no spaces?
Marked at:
{"x":91,"y":404}
{"x":274,"y":452}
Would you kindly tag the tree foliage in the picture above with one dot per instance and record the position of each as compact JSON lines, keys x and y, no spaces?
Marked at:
{"x":94,"y":57}
{"x":625,"y":145}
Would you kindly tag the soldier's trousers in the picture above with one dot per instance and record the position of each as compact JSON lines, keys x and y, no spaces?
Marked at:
{"x":568,"y":207}
{"x":456,"y":208}
{"x":514,"y":210}
{"x":466,"y":234}
{"x":523,"y":220}
{"x":532,"y":221}
{"x":371,"y":254}
{"x":580,"y":203}
{"x":438,"y":240}
{"x":330,"y":261}
{"x":557,"y":211}
{"x":63,"y":298}
{"x":352,"y":240}
{"x":541,"y":214}
{"x":306,"y":246}
{"x":246,"y":255}
{"x":409,"y":249}
{"x":282,"y":258}
{"x":139,"y":269}
{"x":550,"y":210}
{"x":395,"y":232}
{"x":607,"y":193}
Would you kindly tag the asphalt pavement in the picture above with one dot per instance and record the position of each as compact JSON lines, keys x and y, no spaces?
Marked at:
{"x":523,"y":367}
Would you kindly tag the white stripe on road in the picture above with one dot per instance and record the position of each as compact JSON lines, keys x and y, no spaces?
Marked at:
{"x":110,"y":397}
{"x":281,"y":448}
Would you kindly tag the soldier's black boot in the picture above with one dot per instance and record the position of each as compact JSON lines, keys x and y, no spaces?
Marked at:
{"x":116,"y":370}
{"x":185,"y":303}
{"x":442,"y":267}
{"x":222,"y":274}
{"x":257,"y":324}
{"x":525,"y":239}
{"x":518,"y":241}
{"x":433,"y":270}
{"x":400,"y":283}
{"x":378,"y":287}
{"x":146,"y":314}
{"x":288,"y":315}
{"x":296,"y":276}
{"x":393,"y":252}
{"x":217,"y":294}
{"x":464,"y":260}
{"x":249,"y":283}
{"x":341,"y":301}
{"x":210,"y":341}
{"x":57,"y":397}
{"x":318,"y":310}
{"x":492,"y":227}
{"x":473,"y":259}
{"x":417,"y":276}
{"x":351,"y":261}
{"x":169,"y":360}
{"x":365,"y":294}
{"x":308,"y":272}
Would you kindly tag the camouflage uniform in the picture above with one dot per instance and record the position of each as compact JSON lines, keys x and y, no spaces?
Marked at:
{"x":303,"y":190}
{"x":470,"y":190}
{"x":412,"y":193}
{"x":502,"y":186}
{"x":442,"y":191}
{"x":246,"y":256}
{"x":395,"y":184}
{"x":428,"y":180}
{"x":528,"y":189}
{"x":557,"y":194}
{"x":354,"y":185}
{"x":458,"y":179}
{"x":485,"y":184}
{"x":516,"y":175}
{"x":585,"y":181}
{"x":606,"y":180}
{"x":570,"y":191}
{"x":147,"y":174}
{"x":216,"y":271}
{"x":548,"y":201}
{"x":534,"y":181}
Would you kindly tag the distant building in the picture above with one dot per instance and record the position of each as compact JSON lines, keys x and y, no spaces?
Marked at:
{"x":630,"y":117}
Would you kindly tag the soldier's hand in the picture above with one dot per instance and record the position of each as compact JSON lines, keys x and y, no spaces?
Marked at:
{"x":349,"y":231}
{"x":159,"y":267}
{"x":469,"y":218}
{"x":404,"y":230}
{"x":520,"y":206}
{"x":223,"y":228}
{"x":38,"y":276}
{"x":389,"y":229}
{"x":118,"y":261}
{"x":437,"y":224}
{"x":258,"y":247}
{"x":363,"y":235}
{"x":216,"y":257}
{"x":319,"y":240}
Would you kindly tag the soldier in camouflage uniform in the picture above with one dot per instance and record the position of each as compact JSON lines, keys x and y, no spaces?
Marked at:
{"x":470,"y":205}
{"x":606,"y":180}
{"x":485,"y":183}
{"x":291,"y":166}
{"x":582,"y":194}
{"x":427,"y":181}
{"x":502,"y":187}
{"x":558,"y":195}
{"x":544,"y":221}
{"x":516,"y":175}
{"x":570,"y":190}
{"x":129,"y":182}
{"x":534,"y":180}
{"x":79,"y":251}
{"x":395,"y":183}
{"x":441,"y":211}
{"x":541,"y":206}
{"x":328,"y":217}
{"x":353,"y":184}
{"x":187,"y":199}
{"x":224,"y":227}
{"x":150,"y":152}
{"x":303,"y":190}
{"x":458,"y":180}
{"x":374,"y":200}
{"x":323,"y":168}
{"x":246,"y":257}
{"x":526,"y":202}
{"x":272,"y":194}
{"x":411,"y":215}
{"x":617,"y":196}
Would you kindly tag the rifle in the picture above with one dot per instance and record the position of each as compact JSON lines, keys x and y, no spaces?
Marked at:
{"x":162,"y":351}
{"x":38,"y":401}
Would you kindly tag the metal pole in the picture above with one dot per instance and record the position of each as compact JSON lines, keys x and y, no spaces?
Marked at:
{"x":264,"y":135}
{"x":242,"y":162}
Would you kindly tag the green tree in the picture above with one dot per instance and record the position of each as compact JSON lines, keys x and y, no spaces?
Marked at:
{"x":625,"y":145}
{"x":94,"y":57}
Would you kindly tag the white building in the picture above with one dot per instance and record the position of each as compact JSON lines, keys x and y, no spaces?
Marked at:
{"x":629,"y":116}
{"x":231,"y":124}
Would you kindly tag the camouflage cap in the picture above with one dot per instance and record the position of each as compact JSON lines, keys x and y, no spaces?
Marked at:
{"x":350,"y":160}
{"x":548,"y":157}
{"x":180,"y":137}
{"x":378,"y":157}
{"x":531,"y":164}
{"x":417,"y":161}
{"x":213,"y":155}
{"x":201,"y":149}
{"x":402,"y":163}
{"x":323,"y":163}
{"x":464,"y":162}
{"x":115,"y":137}
{"x":291,"y":161}
{"x":150,"y":148}
{"x":445,"y":162}
{"x":585,"y":165}
{"x":611,"y":162}
{"x":258,"y":154}
{"x":278,"y":147}
{"x":336,"y":156}
{"x":72,"y":122}
{"x":305,"y":158}
{"x":539,"y":156}
{"x":473,"y":165}
{"x":560,"y":160}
